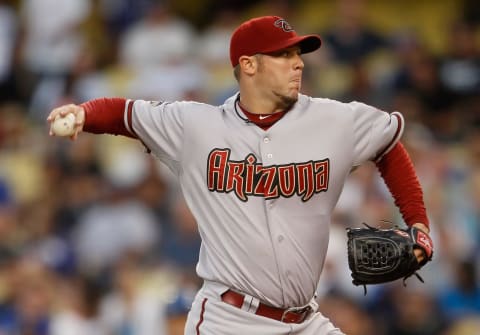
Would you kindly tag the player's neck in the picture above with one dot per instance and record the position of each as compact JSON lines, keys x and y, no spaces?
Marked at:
{"x":256,"y":104}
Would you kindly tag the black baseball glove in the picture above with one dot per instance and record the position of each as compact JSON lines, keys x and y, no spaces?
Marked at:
{"x":382,"y":255}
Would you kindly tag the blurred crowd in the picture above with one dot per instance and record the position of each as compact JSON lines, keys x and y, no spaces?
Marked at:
{"x":95,"y":237}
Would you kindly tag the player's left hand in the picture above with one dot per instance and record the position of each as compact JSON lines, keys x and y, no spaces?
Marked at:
{"x":420,"y":253}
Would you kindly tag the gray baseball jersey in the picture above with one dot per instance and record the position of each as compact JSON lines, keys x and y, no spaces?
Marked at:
{"x":263,"y":199}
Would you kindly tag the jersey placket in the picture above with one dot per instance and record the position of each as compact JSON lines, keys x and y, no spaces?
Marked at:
{"x":276,"y":238}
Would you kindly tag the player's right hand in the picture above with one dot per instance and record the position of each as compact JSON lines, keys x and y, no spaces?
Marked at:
{"x":77,"y":110}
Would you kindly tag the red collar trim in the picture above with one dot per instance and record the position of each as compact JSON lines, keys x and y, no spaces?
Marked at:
{"x":264,"y":121}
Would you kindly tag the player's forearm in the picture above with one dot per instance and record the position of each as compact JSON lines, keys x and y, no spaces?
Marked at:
{"x":106,"y":116}
{"x":396,"y":169}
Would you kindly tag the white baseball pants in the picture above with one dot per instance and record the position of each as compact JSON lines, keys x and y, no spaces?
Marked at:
{"x":211,"y":316}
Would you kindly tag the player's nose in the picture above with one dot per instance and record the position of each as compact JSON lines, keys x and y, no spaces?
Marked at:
{"x":298,"y":62}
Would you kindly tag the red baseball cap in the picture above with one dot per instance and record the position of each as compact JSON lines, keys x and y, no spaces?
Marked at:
{"x":268,"y":34}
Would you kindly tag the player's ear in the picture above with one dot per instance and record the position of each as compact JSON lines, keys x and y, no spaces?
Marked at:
{"x":248,"y":64}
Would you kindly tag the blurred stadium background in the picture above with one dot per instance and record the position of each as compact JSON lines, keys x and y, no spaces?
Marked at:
{"x":94,"y":235}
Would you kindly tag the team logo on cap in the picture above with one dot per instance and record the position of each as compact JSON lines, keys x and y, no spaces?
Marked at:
{"x":284,"y":25}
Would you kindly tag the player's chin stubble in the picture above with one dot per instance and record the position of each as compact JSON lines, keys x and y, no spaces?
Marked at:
{"x":286,"y":102}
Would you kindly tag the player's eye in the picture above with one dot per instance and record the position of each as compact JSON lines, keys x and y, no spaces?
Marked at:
{"x":280,"y":53}
{"x":286,"y":53}
{"x":292,"y":52}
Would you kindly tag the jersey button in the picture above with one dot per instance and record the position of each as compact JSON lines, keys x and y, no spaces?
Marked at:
{"x":269,"y":155}
{"x":280,"y":238}
{"x":266,"y":140}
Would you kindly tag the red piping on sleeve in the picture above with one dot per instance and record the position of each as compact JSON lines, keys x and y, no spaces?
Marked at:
{"x":129,"y":117}
{"x":394,"y":138}
{"x":396,"y":169}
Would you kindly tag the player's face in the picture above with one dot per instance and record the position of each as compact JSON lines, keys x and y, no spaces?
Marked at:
{"x":280,"y":74}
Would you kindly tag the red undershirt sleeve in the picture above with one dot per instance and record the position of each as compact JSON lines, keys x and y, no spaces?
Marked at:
{"x":106,"y":116}
{"x":396,"y":169}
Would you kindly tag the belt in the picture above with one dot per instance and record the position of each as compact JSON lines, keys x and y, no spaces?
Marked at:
{"x":287,"y":315}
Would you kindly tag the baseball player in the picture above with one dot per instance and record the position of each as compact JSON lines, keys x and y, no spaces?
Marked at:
{"x":262,"y":173}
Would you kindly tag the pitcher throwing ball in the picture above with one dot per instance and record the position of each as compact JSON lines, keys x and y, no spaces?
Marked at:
{"x":262,"y":174}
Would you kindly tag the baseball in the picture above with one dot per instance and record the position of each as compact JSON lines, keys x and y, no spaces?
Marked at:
{"x":64,"y":126}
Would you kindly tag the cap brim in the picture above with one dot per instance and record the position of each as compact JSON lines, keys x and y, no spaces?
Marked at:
{"x":307,"y":43}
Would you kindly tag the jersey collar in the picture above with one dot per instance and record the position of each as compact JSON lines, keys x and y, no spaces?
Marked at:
{"x":263,"y":121}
